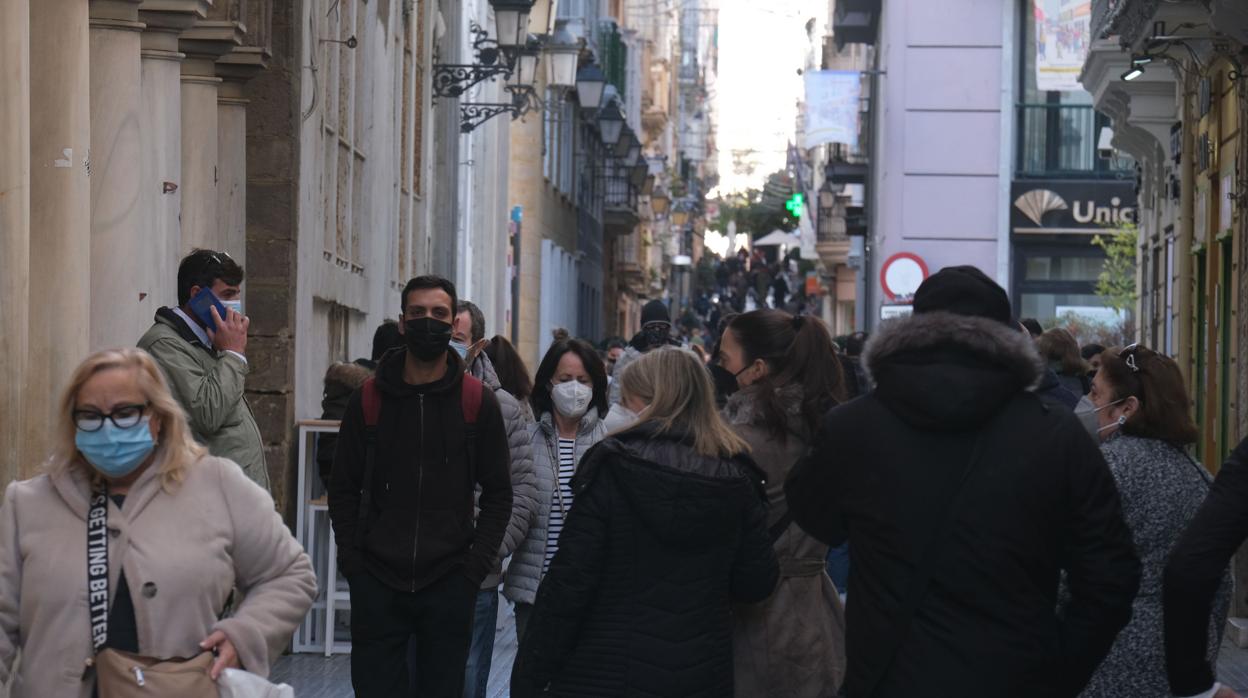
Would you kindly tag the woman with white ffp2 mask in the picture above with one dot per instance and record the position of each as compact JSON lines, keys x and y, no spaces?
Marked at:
{"x":569,"y":400}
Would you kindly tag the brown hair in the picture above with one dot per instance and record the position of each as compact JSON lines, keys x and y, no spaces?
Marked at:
{"x":512,"y":373}
{"x":1059,"y":345}
{"x":176,"y":449}
{"x":798,"y":351}
{"x":1154,"y":380}
{"x":681,"y":399}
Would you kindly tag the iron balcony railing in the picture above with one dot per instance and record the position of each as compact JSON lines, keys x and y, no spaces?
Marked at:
{"x":1060,"y":140}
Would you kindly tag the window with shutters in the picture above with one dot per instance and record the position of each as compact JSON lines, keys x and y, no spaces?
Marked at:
{"x":343,"y":83}
{"x":411,"y":78}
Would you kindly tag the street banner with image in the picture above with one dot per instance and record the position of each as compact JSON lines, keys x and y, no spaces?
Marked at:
{"x":832,"y":107}
{"x":1063,"y":34}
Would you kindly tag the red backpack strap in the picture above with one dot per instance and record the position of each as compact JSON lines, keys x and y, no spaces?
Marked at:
{"x":370,"y":400}
{"x":470,"y":398}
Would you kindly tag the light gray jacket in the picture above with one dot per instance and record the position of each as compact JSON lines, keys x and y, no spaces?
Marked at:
{"x":523,"y":480}
{"x":524,"y":572}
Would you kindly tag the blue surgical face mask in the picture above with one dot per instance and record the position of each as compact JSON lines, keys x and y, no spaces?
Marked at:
{"x":460,"y":348}
{"x":235,"y":305}
{"x":115,"y":451}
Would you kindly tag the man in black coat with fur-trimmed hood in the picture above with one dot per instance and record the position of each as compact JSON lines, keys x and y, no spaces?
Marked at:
{"x":964,"y":497}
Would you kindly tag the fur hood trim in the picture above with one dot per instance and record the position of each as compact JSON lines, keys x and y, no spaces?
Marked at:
{"x":979,"y":337}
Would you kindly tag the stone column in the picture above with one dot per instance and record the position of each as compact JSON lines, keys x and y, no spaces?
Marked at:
{"x":235,"y":69}
{"x":121,"y":302}
{"x":160,"y":123}
{"x":203,"y":45}
{"x":14,"y":226}
{"x":232,"y":169}
{"x":60,"y":210}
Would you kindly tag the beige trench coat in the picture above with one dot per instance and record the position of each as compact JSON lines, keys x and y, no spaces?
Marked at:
{"x":793,"y":644}
{"x":181,"y":552}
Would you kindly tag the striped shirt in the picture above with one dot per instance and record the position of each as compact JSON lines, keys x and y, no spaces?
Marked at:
{"x":561,"y":502}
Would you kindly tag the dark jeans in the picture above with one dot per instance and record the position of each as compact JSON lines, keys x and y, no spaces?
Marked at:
{"x":838,"y":566}
{"x":484,"y":624}
{"x":437,"y":619}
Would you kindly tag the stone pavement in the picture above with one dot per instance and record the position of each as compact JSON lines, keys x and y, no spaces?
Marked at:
{"x":314,"y":676}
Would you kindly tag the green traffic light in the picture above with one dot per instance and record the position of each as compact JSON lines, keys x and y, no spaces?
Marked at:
{"x":794,"y":205}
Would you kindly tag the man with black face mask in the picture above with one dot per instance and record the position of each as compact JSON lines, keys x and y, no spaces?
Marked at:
{"x":656,"y":331}
{"x":416,"y":442}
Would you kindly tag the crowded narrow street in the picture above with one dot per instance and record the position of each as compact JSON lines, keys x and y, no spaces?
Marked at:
{"x":623,"y":348}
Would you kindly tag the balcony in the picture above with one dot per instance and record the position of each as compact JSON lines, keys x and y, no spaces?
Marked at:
{"x":620,"y":202}
{"x":1059,"y":141}
{"x":856,"y":22}
{"x":629,"y":265}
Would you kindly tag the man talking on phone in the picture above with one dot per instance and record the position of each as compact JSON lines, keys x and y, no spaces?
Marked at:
{"x":201,"y":345}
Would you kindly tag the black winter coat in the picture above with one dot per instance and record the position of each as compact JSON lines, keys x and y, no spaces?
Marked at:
{"x":1040,"y":500}
{"x":420,"y":523}
{"x":1195,"y":570}
{"x":660,"y":543}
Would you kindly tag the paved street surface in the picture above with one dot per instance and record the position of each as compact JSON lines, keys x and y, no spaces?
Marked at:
{"x":314,"y":676}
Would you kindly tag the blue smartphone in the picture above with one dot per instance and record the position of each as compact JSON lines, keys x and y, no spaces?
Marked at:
{"x":201,"y":305}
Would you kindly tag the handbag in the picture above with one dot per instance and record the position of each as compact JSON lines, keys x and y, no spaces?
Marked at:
{"x":123,"y":674}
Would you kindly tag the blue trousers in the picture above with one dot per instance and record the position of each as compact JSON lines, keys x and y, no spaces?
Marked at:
{"x":481,"y":652}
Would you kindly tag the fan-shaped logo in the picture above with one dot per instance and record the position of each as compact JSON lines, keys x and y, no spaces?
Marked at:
{"x":1037,"y":202}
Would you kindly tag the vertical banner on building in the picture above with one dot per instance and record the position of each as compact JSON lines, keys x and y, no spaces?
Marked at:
{"x":832,"y":107}
{"x":1063,"y":34}
{"x":513,"y":270}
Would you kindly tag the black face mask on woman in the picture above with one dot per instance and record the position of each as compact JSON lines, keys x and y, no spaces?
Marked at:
{"x":427,"y":338}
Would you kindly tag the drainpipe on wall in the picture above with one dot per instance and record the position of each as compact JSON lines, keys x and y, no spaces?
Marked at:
{"x":1183,"y":246}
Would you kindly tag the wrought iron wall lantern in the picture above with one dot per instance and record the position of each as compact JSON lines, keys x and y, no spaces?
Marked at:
{"x":492,"y":60}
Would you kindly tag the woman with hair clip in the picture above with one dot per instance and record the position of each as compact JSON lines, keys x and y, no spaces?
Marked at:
{"x":168,"y":531}
{"x":667,"y":532}
{"x":1141,"y":413}
{"x":793,"y":644}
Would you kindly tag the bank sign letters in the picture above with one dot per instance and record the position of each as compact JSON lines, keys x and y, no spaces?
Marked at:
{"x":1070,"y":208}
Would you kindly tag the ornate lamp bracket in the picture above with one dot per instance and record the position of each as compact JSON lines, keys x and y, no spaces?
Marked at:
{"x":524,"y":99}
{"x":454,"y":79}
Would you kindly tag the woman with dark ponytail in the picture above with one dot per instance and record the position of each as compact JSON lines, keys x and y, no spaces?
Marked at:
{"x":793,"y":644}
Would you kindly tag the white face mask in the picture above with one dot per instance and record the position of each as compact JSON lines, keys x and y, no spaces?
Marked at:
{"x":1088,"y":412}
{"x":235,"y":305}
{"x":571,"y":398}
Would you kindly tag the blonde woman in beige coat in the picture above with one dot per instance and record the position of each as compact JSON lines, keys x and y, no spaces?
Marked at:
{"x":793,"y":644}
{"x":190,"y":527}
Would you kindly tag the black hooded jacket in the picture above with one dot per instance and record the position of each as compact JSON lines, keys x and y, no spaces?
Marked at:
{"x":420,"y":524}
{"x":659,"y":543}
{"x":1040,"y":500}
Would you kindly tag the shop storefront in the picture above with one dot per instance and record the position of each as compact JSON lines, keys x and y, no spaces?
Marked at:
{"x":1056,"y":266}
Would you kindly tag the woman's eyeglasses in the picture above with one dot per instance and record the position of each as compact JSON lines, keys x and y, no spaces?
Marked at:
{"x":122,"y":416}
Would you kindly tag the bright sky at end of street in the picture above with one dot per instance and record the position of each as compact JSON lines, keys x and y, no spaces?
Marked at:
{"x":761,"y":47}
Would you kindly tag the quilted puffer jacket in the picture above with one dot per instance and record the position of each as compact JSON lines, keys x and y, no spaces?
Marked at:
{"x":524,"y":499}
{"x":524,"y":572}
{"x":659,"y":545}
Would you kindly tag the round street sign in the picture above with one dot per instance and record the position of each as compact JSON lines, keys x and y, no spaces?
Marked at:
{"x":901,"y":275}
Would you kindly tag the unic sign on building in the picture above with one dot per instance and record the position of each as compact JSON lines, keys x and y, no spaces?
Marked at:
{"x":1070,"y":207}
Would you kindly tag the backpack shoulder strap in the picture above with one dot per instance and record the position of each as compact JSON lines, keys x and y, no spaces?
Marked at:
{"x":370,"y":400}
{"x":470,"y":398}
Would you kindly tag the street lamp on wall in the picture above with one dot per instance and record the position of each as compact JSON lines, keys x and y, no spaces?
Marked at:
{"x":511,"y":17}
{"x":590,"y":84}
{"x":611,"y":124}
{"x":680,"y":216}
{"x":660,"y":202}
{"x":562,"y":51}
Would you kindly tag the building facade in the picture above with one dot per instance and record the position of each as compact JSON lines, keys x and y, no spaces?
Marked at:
{"x":1172,"y":77}
{"x":982,"y":149}
{"x":125,"y":146}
